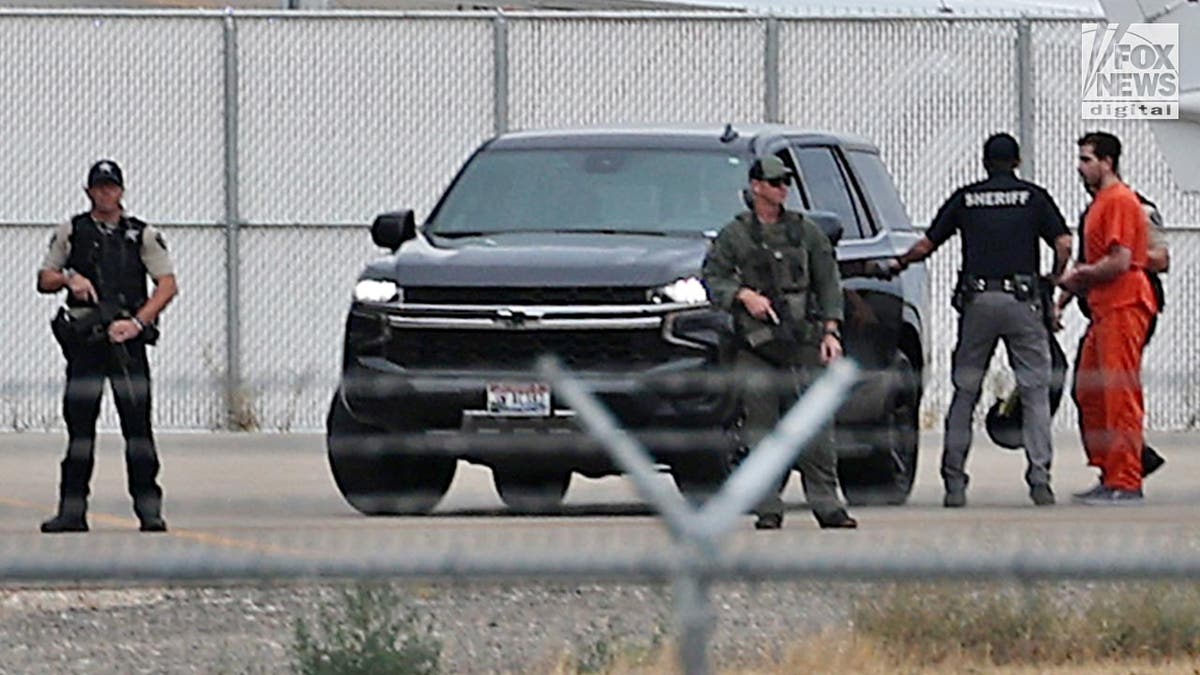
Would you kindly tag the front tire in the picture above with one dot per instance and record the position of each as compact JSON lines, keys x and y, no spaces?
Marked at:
{"x":533,"y":491}
{"x":702,"y":474}
{"x":885,"y":476}
{"x":374,"y":473}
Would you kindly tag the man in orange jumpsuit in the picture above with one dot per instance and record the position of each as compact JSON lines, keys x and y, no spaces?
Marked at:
{"x":1109,"y":385}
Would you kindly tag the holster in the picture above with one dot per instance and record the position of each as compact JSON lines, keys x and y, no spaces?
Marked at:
{"x":1046,"y":295}
{"x":1026,"y":288}
{"x":962,"y":294}
{"x":78,"y":327}
{"x":775,"y":344}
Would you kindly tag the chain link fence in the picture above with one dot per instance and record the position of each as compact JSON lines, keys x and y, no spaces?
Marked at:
{"x":263,"y":142}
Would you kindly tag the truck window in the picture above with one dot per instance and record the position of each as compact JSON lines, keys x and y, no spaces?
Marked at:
{"x":828,"y":190}
{"x":663,"y":191}
{"x":880,"y":189}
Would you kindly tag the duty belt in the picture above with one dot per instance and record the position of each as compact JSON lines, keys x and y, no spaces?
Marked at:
{"x":1018,"y":283}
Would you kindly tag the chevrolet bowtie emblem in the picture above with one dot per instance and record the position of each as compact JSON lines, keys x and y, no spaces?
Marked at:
{"x":516,"y":316}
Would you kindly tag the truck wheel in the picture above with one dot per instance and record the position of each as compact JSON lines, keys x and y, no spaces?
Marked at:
{"x":531,"y":490}
{"x":373,"y":472}
{"x":701,"y":475}
{"x":885,"y":477}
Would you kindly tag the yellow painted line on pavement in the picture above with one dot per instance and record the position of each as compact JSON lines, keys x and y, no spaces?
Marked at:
{"x":187,"y":535}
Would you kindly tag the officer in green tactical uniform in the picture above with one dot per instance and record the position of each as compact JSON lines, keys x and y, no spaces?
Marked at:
{"x":776,"y":272}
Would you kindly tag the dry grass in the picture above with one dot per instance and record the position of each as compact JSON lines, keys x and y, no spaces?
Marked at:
{"x":846,"y":653}
{"x":1037,"y":625}
{"x":944,"y":629}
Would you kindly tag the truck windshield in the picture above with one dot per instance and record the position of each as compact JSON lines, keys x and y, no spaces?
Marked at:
{"x":646,"y":191}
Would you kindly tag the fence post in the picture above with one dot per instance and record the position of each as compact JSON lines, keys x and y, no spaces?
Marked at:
{"x":233,"y":355}
{"x":696,"y":619}
{"x":500,"y":73}
{"x":1025,"y":95}
{"x":771,"y":72}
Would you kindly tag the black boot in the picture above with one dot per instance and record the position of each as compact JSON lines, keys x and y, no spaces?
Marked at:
{"x":836,"y":520}
{"x":769,"y":521}
{"x":72,"y":516}
{"x":149,"y":512}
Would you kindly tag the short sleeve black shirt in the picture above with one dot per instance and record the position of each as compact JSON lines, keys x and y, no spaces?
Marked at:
{"x":1001,"y":220}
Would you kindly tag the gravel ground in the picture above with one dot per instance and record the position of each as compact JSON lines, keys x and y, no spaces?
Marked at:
{"x":493,"y":628}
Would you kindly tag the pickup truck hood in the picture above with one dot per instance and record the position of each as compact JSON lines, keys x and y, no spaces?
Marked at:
{"x":543,"y":259}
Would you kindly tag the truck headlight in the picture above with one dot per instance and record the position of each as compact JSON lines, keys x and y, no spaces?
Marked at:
{"x":377,"y":290}
{"x":688,"y":291}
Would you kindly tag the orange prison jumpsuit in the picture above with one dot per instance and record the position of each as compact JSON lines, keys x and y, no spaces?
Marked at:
{"x":1110,"y":364}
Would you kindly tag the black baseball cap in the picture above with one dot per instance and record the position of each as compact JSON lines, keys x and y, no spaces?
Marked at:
{"x":1001,"y":147}
{"x":105,"y":171}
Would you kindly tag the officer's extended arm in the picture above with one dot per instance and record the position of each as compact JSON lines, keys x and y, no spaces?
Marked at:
{"x":945,"y":223}
{"x":919,"y":251}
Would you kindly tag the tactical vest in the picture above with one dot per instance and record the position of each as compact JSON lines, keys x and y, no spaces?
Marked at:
{"x":779,"y":270}
{"x":112,"y":261}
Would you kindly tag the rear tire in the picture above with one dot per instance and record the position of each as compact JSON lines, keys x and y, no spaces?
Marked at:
{"x":885,"y":477}
{"x":373,"y":472}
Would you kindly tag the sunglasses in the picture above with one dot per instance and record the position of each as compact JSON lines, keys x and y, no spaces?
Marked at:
{"x":777,"y":182}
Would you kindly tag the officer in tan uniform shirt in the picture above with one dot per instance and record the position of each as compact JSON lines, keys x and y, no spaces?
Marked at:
{"x":102,"y":258}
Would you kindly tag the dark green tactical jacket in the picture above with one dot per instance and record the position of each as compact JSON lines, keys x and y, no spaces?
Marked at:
{"x":791,"y":261}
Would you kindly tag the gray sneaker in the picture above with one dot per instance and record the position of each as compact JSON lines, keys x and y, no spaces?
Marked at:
{"x":1096,"y":489}
{"x":1114,"y":497}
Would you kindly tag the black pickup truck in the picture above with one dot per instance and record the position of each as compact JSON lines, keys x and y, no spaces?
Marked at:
{"x":587,"y":245}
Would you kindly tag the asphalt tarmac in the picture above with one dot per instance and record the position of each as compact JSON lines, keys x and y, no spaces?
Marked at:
{"x":251,"y":504}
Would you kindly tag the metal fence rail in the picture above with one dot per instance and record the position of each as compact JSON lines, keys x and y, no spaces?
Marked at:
{"x":254,"y":137}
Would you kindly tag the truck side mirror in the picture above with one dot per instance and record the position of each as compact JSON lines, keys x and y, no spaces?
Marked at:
{"x":829,"y":222}
{"x":392,"y":229}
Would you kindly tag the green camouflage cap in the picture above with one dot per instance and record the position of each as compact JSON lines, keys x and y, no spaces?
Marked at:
{"x":769,"y":168}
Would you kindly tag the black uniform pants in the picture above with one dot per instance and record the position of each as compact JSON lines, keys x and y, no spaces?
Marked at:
{"x":128,"y":372}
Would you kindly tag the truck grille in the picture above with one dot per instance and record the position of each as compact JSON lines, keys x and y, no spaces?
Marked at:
{"x":592,"y":349}
{"x":475,"y":295}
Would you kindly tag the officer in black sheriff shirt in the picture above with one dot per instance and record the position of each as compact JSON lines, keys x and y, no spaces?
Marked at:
{"x":999,"y":296}
{"x":102,"y":257}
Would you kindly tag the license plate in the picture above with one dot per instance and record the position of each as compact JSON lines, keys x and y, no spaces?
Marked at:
{"x":518,"y":399}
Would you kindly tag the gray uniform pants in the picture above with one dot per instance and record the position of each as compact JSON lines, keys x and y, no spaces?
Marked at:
{"x":987,"y":318}
{"x":817,"y":462}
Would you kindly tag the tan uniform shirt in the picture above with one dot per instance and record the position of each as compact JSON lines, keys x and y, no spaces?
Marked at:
{"x":154,"y":250}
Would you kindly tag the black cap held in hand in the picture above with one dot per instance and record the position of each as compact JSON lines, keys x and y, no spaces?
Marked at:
{"x":105,"y":171}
